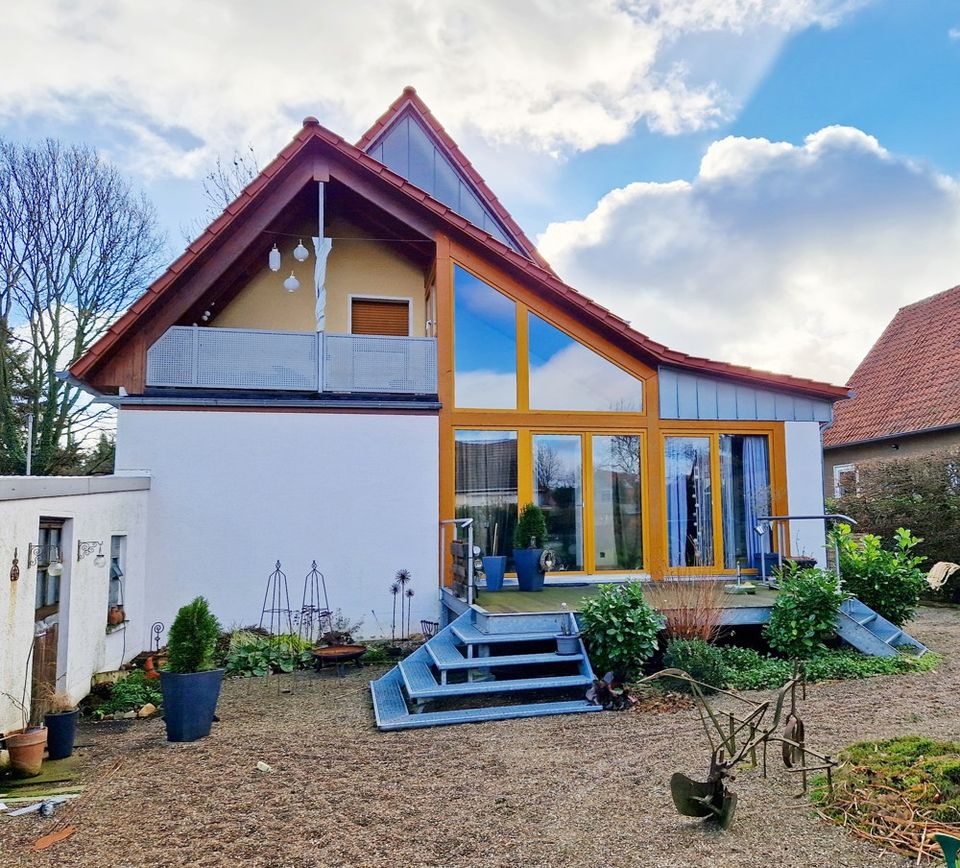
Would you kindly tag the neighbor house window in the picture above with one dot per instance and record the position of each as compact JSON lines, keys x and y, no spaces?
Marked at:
{"x":565,"y":375}
{"x":689,"y":501}
{"x":485,"y":345}
{"x":844,"y":480}
{"x":558,"y":490}
{"x":617,"y":502}
{"x":118,"y":557}
{"x":486,"y":488}
{"x":745,"y":495}
{"x":377,"y":316}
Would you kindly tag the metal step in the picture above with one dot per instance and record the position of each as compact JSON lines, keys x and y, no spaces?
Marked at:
{"x":869,"y":632}
{"x":387,"y":698}
{"x":447,"y":656}
{"x":421,"y":683}
{"x":470,"y":635}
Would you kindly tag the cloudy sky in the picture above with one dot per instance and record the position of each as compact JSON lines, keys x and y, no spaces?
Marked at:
{"x":760,"y":181}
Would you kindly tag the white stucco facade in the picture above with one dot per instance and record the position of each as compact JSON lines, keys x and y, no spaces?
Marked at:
{"x":805,"y":487}
{"x":91,"y":509}
{"x":233,"y":492}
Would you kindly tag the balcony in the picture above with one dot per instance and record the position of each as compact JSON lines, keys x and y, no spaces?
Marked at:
{"x":191,"y":357}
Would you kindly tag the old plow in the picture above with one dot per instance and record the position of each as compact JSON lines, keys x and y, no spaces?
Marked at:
{"x":736,"y":738}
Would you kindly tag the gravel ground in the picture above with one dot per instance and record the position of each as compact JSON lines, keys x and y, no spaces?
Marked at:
{"x":583,"y":790}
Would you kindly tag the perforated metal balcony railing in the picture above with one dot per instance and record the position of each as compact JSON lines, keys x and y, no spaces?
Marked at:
{"x":226,"y":358}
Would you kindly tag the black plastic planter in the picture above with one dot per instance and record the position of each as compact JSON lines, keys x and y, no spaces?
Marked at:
{"x":189,"y":702}
{"x":61,"y":733}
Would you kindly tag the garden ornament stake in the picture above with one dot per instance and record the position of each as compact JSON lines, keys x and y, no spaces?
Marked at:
{"x":733,"y":739}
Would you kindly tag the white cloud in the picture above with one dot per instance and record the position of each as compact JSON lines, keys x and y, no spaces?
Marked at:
{"x":785,"y":257}
{"x":185,"y":80}
{"x":954,"y":33}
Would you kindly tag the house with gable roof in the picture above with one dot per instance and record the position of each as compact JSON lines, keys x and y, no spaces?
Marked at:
{"x":906,"y":397}
{"x":366,"y":345}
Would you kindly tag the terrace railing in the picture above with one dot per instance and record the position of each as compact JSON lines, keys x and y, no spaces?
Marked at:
{"x":228,"y":358}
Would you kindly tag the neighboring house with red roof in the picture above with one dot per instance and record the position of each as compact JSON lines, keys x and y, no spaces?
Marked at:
{"x":366,"y":345}
{"x":907,"y":393}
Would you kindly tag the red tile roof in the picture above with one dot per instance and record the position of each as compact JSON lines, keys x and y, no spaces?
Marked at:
{"x":409,"y":98}
{"x":542,"y":278}
{"x":910,"y":379}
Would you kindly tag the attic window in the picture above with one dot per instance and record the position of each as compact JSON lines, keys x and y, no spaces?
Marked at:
{"x":376,"y":316}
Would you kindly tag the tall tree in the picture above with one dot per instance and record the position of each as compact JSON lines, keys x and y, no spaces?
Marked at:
{"x":77,"y":246}
{"x":13,"y":401}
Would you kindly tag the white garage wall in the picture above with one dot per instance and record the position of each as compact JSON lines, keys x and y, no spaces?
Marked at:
{"x":233,"y":492}
{"x":93,"y":509}
{"x":805,"y":487}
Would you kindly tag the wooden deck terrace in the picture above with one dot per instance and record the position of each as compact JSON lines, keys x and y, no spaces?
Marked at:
{"x":738,"y":609}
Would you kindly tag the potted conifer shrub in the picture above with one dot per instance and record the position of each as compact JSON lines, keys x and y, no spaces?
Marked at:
{"x":528,"y":554}
{"x":190,"y":682}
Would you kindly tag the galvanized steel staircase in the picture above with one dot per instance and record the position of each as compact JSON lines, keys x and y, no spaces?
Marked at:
{"x":480,"y":655}
{"x":860,"y":626}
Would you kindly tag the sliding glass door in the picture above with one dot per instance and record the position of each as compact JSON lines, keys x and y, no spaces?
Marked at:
{"x":745,"y":492}
{"x":689,"y":501}
{"x":558,"y":490}
{"x":617,"y":502}
{"x":486,"y":486}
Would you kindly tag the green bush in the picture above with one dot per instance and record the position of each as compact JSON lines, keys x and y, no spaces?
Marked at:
{"x":192,"y":643}
{"x":889,"y":582}
{"x":130,"y":694}
{"x":531,"y":524}
{"x":620,"y":628}
{"x":918,"y":492}
{"x":804,"y":613}
{"x":701,"y":660}
{"x":260,"y":655}
{"x":746,"y":669}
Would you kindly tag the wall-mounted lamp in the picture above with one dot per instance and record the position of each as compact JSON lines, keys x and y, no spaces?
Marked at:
{"x":85,"y":548}
{"x":49,"y":555}
{"x":15,"y":567}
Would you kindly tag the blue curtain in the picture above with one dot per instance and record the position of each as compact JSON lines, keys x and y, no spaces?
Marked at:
{"x":728,"y":496}
{"x":677,"y":478}
{"x":756,"y":493}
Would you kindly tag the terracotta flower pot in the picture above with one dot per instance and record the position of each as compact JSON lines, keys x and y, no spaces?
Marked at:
{"x":26,"y":750}
{"x":115,"y":616}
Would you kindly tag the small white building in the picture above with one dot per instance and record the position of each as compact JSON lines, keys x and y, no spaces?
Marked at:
{"x":71,"y":548}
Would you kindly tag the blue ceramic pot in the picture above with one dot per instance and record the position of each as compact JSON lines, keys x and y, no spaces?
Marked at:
{"x":494,"y":566}
{"x":189,"y":702}
{"x":529,"y":575}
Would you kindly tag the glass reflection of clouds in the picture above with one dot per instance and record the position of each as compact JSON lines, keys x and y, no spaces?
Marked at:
{"x":485,"y":344}
{"x":565,"y":375}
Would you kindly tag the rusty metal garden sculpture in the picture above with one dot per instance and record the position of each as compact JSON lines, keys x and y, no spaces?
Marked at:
{"x":735,"y":739}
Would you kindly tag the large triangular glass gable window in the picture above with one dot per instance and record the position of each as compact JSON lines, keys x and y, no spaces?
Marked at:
{"x":566,"y":375}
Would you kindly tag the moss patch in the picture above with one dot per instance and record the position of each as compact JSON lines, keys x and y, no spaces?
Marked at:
{"x":897,"y":792}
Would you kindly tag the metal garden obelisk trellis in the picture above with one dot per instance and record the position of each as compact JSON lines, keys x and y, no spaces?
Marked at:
{"x":315,"y":619}
{"x":276,"y":609}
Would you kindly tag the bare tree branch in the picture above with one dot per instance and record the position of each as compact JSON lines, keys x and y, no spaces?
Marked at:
{"x":77,"y":246}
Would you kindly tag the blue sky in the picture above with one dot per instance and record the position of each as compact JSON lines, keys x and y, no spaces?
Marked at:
{"x":761,"y":181}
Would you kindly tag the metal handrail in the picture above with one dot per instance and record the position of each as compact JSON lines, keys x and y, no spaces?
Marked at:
{"x":781,"y":542}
